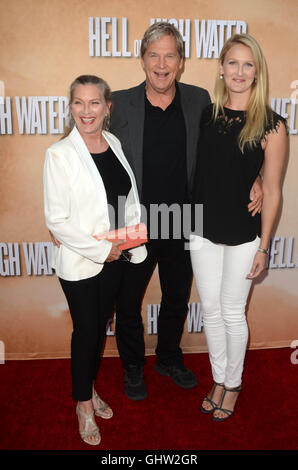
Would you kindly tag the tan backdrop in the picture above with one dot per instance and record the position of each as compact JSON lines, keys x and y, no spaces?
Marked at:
{"x":45,"y":45}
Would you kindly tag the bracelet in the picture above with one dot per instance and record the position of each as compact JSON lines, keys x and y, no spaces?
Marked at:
{"x":263,"y":251}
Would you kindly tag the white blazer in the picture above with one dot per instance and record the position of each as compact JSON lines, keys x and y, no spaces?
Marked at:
{"x":76,"y":208}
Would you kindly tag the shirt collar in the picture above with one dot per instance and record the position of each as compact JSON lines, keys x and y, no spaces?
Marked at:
{"x":176,"y":102}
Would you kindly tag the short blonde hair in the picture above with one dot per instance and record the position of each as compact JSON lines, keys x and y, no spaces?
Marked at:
{"x":157,"y":31}
{"x":89,"y":80}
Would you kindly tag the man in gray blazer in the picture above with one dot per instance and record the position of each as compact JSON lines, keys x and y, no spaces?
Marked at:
{"x":158,"y":124}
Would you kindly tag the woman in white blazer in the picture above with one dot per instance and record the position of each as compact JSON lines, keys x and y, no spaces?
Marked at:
{"x":84,"y":175}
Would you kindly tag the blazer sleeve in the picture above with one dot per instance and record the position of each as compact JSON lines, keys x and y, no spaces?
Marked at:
{"x":59,"y":211}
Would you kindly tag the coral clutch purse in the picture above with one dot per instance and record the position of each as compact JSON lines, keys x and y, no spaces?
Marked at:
{"x":134,"y":235}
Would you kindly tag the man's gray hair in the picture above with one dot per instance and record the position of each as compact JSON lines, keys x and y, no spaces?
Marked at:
{"x":157,"y":31}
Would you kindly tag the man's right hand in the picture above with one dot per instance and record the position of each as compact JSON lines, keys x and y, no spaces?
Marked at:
{"x":54,"y":240}
{"x":115,"y":252}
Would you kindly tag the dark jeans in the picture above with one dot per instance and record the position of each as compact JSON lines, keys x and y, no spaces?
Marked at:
{"x":91,"y":303}
{"x":175,"y":274}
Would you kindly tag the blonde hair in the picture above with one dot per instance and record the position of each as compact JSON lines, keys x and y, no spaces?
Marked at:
{"x":258,"y":112}
{"x":157,"y":31}
{"x":89,"y":80}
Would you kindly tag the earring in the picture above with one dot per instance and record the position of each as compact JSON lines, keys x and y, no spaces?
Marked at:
{"x":107,"y":121}
{"x":71,"y":120}
{"x":221,"y":76}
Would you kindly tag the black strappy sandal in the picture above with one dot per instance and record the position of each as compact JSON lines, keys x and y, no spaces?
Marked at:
{"x":209,"y":400}
{"x":229,"y":413}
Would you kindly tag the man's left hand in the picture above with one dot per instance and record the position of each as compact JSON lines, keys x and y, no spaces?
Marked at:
{"x":256,"y":197}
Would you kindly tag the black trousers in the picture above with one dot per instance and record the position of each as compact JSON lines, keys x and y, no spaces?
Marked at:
{"x":175,"y":274}
{"x":91,"y":303}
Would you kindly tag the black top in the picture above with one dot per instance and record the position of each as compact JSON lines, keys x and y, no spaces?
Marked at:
{"x":116,"y":182}
{"x":225,"y":175}
{"x":164,"y":155}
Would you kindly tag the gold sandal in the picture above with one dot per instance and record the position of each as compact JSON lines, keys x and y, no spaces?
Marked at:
{"x":103,"y":409}
{"x":94,"y":431}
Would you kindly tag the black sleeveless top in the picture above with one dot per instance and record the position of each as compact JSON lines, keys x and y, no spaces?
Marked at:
{"x":116,"y":182}
{"x":224,"y":177}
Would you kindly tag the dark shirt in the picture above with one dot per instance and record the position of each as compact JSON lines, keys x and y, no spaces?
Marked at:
{"x":117,"y":183}
{"x":225,"y":175}
{"x":164,"y":155}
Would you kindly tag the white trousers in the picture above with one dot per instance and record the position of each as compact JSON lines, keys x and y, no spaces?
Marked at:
{"x":220,"y":274}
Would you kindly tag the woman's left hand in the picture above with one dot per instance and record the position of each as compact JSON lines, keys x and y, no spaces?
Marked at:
{"x":258,"y":266}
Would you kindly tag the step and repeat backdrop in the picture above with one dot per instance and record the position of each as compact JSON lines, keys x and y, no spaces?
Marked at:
{"x":44,"y":46}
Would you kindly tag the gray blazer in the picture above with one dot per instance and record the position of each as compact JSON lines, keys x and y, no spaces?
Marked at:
{"x":127,"y":123}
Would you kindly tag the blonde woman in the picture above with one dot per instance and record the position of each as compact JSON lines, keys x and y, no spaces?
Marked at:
{"x":240,"y":134}
{"x":84,"y":175}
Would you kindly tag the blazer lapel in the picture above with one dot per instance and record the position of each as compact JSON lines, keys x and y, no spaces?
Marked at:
{"x":87,"y":161}
{"x":136,"y":117}
{"x":191,"y":124}
{"x":117,"y":149}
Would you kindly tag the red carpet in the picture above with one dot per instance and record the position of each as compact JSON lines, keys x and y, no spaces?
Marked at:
{"x":36,"y":411}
